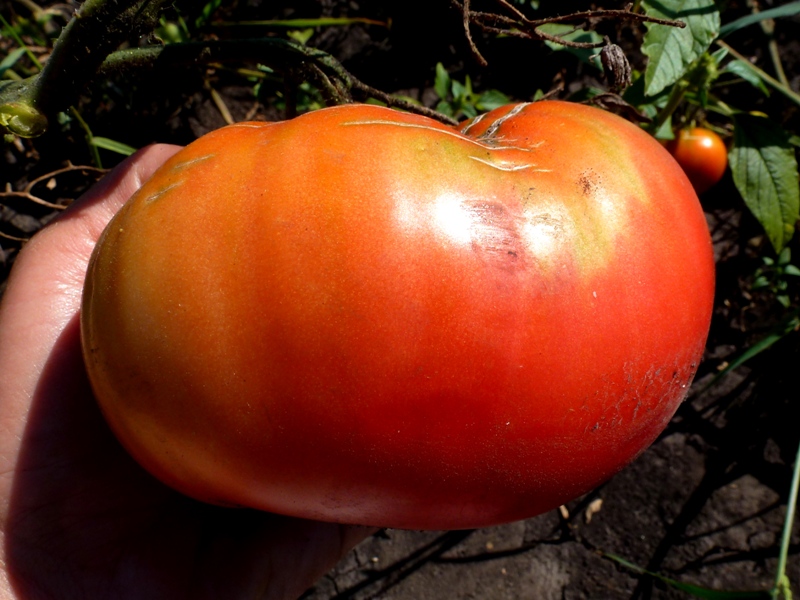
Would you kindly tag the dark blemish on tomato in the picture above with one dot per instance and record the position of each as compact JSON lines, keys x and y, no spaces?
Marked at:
{"x":586,"y":185}
{"x":588,"y":182}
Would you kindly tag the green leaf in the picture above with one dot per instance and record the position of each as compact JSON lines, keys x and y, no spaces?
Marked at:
{"x":740,"y":69}
{"x":790,"y":323}
{"x":491,"y":99}
{"x":694,"y":590}
{"x":301,"y":36}
{"x":113,"y":145}
{"x":791,"y":270}
{"x":787,"y":10}
{"x":469,"y":111}
{"x":760,"y":283}
{"x":764,"y":170}
{"x":442,"y":82}
{"x":207,"y":12}
{"x":666,"y":132}
{"x":671,"y":49}
{"x":459,"y":90}
{"x":10,"y":60}
{"x":568,"y":33}
{"x":445,"y":108}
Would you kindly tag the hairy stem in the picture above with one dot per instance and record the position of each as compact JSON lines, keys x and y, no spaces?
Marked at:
{"x":291,"y":58}
{"x":97,"y":29}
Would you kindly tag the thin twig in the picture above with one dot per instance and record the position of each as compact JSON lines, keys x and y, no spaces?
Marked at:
{"x":393,"y":102}
{"x":334,"y":81}
{"x":473,"y":48}
{"x":595,"y":15}
{"x":28,"y":194}
{"x":519,"y":25}
{"x":511,"y":8}
{"x":13,"y":237}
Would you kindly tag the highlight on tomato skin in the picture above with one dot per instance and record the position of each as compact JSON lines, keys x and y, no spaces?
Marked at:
{"x":702,"y":155}
{"x":366,"y":316}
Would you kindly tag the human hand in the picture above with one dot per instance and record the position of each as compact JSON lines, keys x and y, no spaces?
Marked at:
{"x":78,"y":517}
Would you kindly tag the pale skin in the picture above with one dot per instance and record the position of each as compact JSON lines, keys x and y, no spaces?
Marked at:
{"x":78,"y":517}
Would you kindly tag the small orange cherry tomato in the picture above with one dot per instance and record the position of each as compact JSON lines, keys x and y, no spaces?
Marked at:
{"x":702,"y":155}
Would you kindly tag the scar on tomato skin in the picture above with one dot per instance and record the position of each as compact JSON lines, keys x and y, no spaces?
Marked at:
{"x":184,"y":164}
{"x":454,"y":133}
{"x":254,"y":124}
{"x":509,"y":166}
{"x":160,"y":192}
{"x":492,"y":129}
{"x":497,"y":232}
{"x":473,"y":122}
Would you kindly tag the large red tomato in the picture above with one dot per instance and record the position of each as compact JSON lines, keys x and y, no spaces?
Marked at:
{"x":366,"y":316}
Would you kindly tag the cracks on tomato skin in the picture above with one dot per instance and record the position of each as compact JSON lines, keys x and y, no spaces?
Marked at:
{"x":162,"y":191}
{"x":177,"y":168}
{"x":509,"y":166}
{"x":185,"y":164}
{"x":447,"y":132}
{"x":491,"y":131}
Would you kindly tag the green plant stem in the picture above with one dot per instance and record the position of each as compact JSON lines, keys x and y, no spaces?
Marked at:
{"x":97,"y":29}
{"x":768,"y":27}
{"x":776,"y":62}
{"x":781,"y":582}
{"x":675,"y":98}
{"x":293,"y":59}
{"x":783,"y":89}
{"x":89,"y":137}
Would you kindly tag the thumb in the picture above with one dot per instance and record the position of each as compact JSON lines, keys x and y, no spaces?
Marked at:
{"x":46,"y":282}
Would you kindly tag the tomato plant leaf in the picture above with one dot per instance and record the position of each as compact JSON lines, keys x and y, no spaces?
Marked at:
{"x":207,"y":12}
{"x":764,"y":170}
{"x":740,"y":69}
{"x":787,"y":10}
{"x":10,"y":60}
{"x":442,"y":82}
{"x":491,"y":99}
{"x":671,"y":50}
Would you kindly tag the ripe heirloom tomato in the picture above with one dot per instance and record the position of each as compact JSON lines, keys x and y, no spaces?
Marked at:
{"x":366,"y":316}
{"x":702,"y":155}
